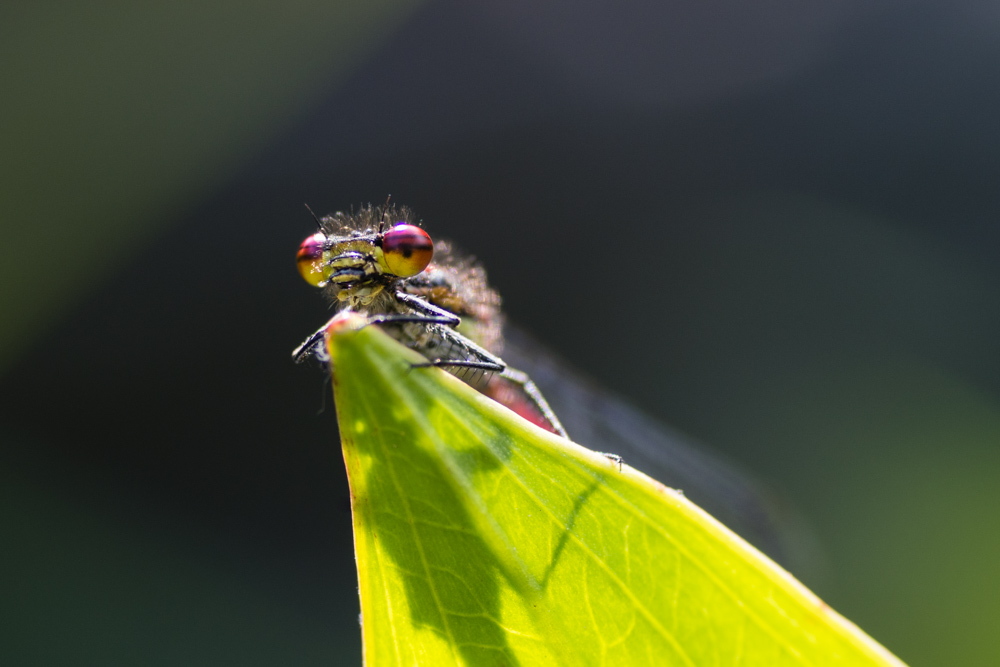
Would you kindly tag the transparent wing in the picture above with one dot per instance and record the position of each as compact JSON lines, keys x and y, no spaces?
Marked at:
{"x":601,"y":421}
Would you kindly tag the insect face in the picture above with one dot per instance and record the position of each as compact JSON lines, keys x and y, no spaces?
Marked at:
{"x":359,"y":266}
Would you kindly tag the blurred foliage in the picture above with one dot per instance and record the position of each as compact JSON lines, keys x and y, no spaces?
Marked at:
{"x":85,"y":588}
{"x":119,"y":116}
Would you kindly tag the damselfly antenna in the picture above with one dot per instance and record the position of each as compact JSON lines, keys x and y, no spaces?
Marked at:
{"x":319,"y":223}
{"x":385,"y":212}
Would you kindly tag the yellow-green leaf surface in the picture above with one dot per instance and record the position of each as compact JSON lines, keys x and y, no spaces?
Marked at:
{"x":483,"y":540}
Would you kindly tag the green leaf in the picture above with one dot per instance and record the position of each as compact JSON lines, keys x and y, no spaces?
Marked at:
{"x":483,"y":540}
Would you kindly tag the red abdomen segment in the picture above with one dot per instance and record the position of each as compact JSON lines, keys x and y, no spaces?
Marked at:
{"x":510,"y":395}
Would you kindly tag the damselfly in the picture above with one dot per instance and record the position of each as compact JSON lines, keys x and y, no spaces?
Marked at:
{"x":388,"y":275}
{"x":378,"y":262}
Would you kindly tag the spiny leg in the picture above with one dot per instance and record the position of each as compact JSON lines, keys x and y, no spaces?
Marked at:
{"x":311,"y":344}
{"x":439,"y":315}
{"x":486,"y":361}
{"x":474,"y":355}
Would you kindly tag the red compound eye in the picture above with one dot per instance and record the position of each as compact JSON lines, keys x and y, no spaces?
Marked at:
{"x":309,"y":259}
{"x":407,"y":250}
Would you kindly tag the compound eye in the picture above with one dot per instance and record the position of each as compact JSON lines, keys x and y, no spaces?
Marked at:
{"x":407,"y":250}
{"x":309,"y":259}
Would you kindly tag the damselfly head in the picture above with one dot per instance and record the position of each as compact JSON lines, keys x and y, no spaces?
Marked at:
{"x":360,"y":263}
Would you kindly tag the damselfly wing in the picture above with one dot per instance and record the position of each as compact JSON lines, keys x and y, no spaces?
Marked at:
{"x":600,"y":420}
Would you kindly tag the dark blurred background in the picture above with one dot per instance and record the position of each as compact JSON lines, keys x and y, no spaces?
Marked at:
{"x":770,"y":225}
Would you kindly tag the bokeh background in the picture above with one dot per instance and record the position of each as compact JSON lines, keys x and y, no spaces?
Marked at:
{"x":770,"y":225}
